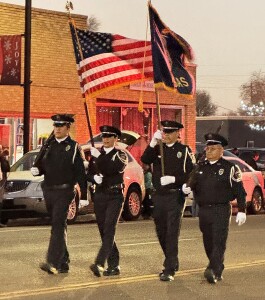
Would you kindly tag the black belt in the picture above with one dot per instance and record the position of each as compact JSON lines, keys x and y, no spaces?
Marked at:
{"x":213,"y":204}
{"x":169,"y":191}
{"x":58,"y":187}
{"x":118,"y":186}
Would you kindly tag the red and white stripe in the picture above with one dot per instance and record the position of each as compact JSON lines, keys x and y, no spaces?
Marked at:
{"x":120,"y":67}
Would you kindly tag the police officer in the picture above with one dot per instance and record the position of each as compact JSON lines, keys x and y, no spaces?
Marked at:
{"x":62,"y":166}
{"x":106,"y":171}
{"x":215,"y":182}
{"x":168,"y":197}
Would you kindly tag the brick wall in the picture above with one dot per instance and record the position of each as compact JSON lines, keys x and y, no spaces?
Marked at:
{"x":55,"y":86}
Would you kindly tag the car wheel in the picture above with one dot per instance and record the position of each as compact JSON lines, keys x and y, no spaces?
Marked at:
{"x":132,"y":205}
{"x":256,"y":202}
{"x":73,"y":210}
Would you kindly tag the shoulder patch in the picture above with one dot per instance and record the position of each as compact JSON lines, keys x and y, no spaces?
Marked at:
{"x":236,"y":174}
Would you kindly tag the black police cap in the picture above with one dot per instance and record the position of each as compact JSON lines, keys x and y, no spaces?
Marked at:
{"x":63,"y":118}
{"x":215,"y":139}
{"x":109,"y":130}
{"x":171,"y":126}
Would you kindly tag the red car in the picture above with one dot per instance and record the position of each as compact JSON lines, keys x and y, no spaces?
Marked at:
{"x":254,"y":185}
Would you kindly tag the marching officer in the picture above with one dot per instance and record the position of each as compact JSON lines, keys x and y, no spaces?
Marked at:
{"x":62,"y":166}
{"x":215,"y":182}
{"x":106,"y":171}
{"x":168,"y":197}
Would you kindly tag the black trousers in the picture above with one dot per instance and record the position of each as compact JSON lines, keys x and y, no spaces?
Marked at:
{"x":168,"y":210}
{"x":214,"y":224}
{"x":57,"y":204}
{"x":108,"y":207}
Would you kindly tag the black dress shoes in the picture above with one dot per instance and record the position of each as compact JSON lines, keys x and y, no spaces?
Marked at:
{"x":50,"y":269}
{"x":166,"y":277}
{"x":210,"y":276}
{"x":97,"y":270}
{"x":112,"y":271}
{"x":2,"y":225}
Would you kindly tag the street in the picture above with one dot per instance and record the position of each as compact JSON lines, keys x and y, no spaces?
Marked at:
{"x":23,"y":247}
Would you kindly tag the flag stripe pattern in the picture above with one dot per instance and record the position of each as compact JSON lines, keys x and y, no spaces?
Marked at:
{"x":107,"y":61}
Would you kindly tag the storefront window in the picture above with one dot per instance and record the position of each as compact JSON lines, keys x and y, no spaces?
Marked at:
{"x":127,"y":117}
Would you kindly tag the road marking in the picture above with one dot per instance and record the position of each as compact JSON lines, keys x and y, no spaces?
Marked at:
{"x":112,"y":281}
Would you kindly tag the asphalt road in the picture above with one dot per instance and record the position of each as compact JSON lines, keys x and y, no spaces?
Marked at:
{"x":23,"y":247}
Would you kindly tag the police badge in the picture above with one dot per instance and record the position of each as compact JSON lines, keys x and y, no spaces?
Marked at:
{"x":179,"y":154}
{"x":67,"y":148}
{"x":221,"y":172}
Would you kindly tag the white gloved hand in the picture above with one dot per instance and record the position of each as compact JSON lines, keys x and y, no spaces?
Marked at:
{"x":34,"y":171}
{"x":94,"y":152}
{"x":157,"y":136}
{"x":164,"y":180}
{"x":98,"y":178}
{"x":241,"y":218}
{"x":186,"y":189}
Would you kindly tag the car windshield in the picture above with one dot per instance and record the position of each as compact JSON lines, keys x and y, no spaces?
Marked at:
{"x":24,"y":163}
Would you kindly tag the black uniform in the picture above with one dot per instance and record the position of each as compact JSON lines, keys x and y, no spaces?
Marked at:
{"x":169,"y":199}
{"x":63,"y":167}
{"x":108,"y":202}
{"x":214,"y":186}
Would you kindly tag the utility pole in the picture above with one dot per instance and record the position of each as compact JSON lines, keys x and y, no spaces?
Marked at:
{"x":27,"y":80}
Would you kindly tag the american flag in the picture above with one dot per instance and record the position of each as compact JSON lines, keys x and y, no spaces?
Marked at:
{"x":107,"y":60}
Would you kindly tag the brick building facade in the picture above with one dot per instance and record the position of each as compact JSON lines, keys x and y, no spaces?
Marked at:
{"x":55,"y":86}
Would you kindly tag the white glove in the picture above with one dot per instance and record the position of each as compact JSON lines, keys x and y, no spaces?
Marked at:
{"x":94,"y":152}
{"x":157,"y":136}
{"x":167,"y":180}
{"x":98,"y":178}
{"x":241,"y":218}
{"x":186,"y":189}
{"x":34,"y":171}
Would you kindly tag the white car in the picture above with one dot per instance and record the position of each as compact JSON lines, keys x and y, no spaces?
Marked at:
{"x":23,"y":195}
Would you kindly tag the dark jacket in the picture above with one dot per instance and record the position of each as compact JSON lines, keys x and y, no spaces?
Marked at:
{"x":177,"y":163}
{"x":217,"y":183}
{"x":63,"y":164}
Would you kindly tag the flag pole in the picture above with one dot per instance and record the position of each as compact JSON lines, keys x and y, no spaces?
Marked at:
{"x":69,"y":7}
{"x":159,"y":127}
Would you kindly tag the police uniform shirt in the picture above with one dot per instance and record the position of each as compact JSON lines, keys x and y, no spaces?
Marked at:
{"x":218,"y":183}
{"x":177,"y":162}
{"x":111,"y":165}
{"x":63,"y":164}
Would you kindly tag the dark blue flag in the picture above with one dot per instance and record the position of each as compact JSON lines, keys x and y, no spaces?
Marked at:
{"x":169,"y":51}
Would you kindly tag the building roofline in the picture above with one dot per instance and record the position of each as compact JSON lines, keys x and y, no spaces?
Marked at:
{"x":218,"y":118}
{"x":41,"y":10}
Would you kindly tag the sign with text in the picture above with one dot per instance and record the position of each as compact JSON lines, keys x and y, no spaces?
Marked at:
{"x":10,"y":59}
{"x":145,"y":86}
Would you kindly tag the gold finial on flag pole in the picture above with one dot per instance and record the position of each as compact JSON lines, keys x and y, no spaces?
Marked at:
{"x":69,"y":6}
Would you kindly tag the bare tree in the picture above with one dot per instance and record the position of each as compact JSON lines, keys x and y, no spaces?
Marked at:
{"x":204,"y":105}
{"x":93,"y":23}
{"x":253,"y":91}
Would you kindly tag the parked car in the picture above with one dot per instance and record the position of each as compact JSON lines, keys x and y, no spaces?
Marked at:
{"x":251,"y":150}
{"x":23,"y":195}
